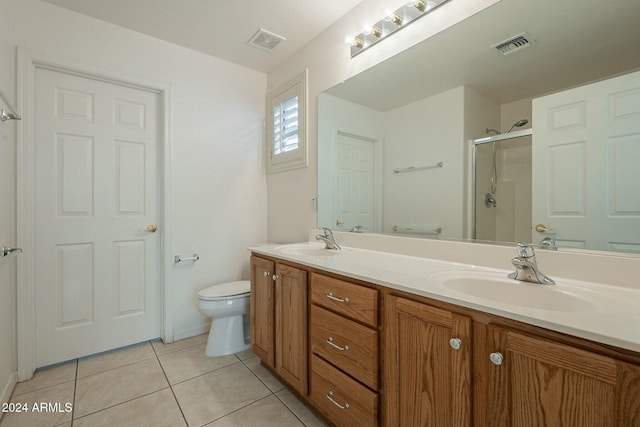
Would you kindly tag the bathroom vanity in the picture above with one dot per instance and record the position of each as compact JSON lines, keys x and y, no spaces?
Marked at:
{"x":373,"y":338}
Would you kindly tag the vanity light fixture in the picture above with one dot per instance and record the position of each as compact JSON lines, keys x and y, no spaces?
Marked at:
{"x":391,"y":22}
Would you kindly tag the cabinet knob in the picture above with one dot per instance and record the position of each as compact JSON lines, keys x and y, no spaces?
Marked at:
{"x":275,"y":277}
{"x":266,"y":274}
{"x":455,"y":343}
{"x":496,"y":358}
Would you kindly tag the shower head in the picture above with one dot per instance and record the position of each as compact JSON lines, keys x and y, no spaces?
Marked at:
{"x":518,"y":124}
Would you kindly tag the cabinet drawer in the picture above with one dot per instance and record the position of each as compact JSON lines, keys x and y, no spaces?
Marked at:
{"x":342,"y":399}
{"x":349,"y":345}
{"x":354,"y":301}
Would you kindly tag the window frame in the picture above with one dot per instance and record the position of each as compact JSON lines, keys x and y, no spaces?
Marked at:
{"x":296,"y":158}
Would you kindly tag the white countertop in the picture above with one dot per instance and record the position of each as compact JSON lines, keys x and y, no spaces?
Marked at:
{"x":598,"y":312}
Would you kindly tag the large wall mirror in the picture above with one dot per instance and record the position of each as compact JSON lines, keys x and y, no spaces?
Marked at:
{"x":395,"y":143}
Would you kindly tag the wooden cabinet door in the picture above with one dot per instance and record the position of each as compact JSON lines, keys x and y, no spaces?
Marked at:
{"x":262,"y":309}
{"x":291,"y":326}
{"x":426,"y":381}
{"x":545,"y":383}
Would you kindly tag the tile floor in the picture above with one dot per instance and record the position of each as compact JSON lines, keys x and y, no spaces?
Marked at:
{"x":153,"y":384}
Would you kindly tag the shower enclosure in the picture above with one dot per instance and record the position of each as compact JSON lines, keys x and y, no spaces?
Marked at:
{"x":502,"y":186}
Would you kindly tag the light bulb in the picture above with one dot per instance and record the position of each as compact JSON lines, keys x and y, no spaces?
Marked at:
{"x":372,"y":30}
{"x":355,"y":42}
{"x":421,"y":5}
{"x":393,"y":17}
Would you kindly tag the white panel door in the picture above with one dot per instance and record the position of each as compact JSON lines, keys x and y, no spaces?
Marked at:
{"x":97,"y":280}
{"x":355,"y":182}
{"x":586,"y":152}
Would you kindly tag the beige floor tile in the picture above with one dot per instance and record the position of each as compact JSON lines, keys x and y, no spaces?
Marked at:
{"x":54,"y":412}
{"x":100,"y":391}
{"x":186,"y":364}
{"x":263,"y":373}
{"x":158,"y":409}
{"x":308,"y":418}
{"x":244,"y":355}
{"x":218,"y":393}
{"x":114,"y":359}
{"x":47,"y":377}
{"x":162,"y":348}
{"x":267,"y":412}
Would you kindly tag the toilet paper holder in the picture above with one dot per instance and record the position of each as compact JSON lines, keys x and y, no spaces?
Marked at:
{"x":193,"y":258}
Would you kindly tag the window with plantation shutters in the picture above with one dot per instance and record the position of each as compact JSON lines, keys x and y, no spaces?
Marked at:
{"x":286,"y":125}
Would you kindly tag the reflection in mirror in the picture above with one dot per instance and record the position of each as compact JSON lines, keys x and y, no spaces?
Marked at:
{"x":424,"y":107}
{"x":503,"y":190}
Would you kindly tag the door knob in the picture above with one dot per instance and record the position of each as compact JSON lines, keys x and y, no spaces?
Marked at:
{"x":541,"y":228}
{"x":150,"y":229}
{"x":339,"y":223}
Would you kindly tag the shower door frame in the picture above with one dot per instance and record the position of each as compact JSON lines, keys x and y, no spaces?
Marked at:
{"x":476,"y":143}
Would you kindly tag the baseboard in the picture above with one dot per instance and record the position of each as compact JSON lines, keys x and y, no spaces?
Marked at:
{"x":8,"y":389}
{"x":192,"y":331}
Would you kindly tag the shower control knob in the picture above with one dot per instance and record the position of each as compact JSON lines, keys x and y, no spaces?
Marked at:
{"x":455,"y":343}
{"x":496,"y":358}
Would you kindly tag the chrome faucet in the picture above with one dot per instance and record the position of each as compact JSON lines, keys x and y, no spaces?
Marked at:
{"x":549,"y":243}
{"x":328,"y":239}
{"x":527,"y":267}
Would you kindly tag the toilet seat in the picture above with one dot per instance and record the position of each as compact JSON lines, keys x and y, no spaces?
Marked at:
{"x":225,"y":291}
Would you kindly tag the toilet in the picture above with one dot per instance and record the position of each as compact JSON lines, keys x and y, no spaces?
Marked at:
{"x":228,"y":306}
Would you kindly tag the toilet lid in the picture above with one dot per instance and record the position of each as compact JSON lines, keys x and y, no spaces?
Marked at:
{"x":226,"y":290}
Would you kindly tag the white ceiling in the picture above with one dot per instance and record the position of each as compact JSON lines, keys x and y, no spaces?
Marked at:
{"x":221,"y":28}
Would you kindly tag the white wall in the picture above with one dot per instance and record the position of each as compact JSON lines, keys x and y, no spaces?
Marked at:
{"x":419,"y":134}
{"x":290,"y":212}
{"x":218,"y":194}
{"x":7,"y":217}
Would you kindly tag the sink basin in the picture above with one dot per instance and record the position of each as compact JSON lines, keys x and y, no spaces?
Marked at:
{"x":306,"y":249}
{"x":493,"y":286}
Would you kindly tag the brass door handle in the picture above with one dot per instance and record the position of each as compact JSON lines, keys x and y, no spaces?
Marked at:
{"x":152,"y":228}
{"x":541,"y":228}
{"x":339,"y":223}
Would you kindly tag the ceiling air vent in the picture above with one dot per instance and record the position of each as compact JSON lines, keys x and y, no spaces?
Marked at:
{"x":265,"y":40}
{"x":514,"y":44}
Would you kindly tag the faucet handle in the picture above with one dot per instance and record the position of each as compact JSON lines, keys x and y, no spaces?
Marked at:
{"x":525,"y":251}
{"x":327,"y":231}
